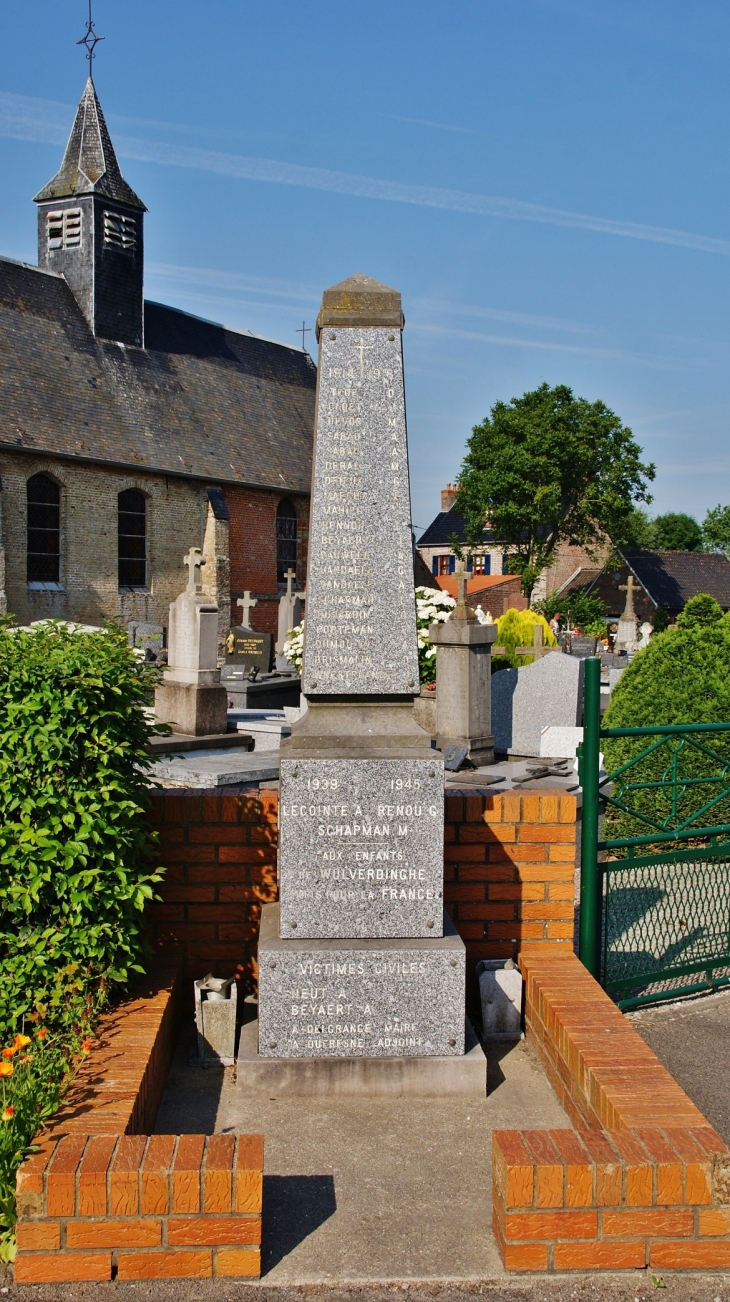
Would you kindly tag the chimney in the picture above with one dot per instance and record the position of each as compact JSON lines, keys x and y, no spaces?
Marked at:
{"x":448,"y":496}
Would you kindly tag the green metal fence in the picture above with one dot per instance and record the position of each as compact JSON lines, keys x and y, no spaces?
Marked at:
{"x":655,"y":905}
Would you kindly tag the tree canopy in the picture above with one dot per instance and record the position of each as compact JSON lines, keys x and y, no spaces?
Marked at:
{"x":550,"y":467}
{"x":716,"y":530}
{"x":675,"y":532}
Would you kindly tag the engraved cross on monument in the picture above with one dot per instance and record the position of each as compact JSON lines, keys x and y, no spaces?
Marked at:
{"x":358,"y":960}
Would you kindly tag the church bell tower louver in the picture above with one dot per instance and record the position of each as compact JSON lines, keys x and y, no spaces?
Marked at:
{"x":91,"y":229}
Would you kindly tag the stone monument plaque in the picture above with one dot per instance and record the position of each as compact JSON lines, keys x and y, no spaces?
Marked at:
{"x":376,"y":999}
{"x":360,"y":634}
{"x":362,"y":847}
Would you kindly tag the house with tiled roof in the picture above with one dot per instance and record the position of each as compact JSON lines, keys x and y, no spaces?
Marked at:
{"x":662,"y":581}
{"x":131,"y":431}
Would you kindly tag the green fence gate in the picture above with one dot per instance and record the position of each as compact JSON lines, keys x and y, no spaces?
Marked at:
{"x":655,"y":890}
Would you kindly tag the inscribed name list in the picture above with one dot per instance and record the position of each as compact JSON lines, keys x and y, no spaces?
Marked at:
{"x":346,"y":1001}
{"x":361,"y":847}
{"x":361,"y":622}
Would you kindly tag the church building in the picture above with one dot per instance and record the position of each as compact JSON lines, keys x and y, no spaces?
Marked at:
{"x":131,"y":431}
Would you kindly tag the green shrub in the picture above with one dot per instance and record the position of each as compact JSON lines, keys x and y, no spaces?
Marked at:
{"x":700,"y":612}
{"x":584,"y":609}
{"x":683,"y":676}
{"x":75,"y":849}
{"x":516,"y":628}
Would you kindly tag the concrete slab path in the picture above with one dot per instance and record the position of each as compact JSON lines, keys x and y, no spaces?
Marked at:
{"x":369,"y":1190}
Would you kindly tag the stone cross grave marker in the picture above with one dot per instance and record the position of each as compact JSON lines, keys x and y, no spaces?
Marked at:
{"x":194,"y":561}
{"x":627,"y":633}
{"x":358,"y":958}
{"x":247,"y":602}
{"x":538,"y":647}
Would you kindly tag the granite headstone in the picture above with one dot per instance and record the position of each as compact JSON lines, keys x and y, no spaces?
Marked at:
{"x":524,"y":701}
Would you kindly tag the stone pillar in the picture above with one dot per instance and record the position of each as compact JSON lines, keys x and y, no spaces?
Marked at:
{"x":216,"y":577}
{"x":358,"y":961}
{"x":464,"y":682}
{"x":190,"y":697}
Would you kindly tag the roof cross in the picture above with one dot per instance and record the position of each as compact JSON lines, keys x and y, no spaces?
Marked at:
{"x":90,"y":40}
{"x":303,"y":330}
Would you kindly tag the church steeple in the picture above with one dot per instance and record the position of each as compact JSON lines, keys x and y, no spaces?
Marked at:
{"x":90,"y":228}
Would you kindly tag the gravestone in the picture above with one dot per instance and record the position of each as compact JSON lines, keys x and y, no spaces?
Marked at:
{"x":358,"y":961}
{"x":524,"y":701}
{"x":290,"y":617}
{"x":248,"y":649}
{"x":627,"y":634}
{"x":190,"y":697}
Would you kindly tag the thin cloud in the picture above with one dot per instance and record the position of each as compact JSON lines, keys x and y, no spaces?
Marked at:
{"x":438,"y":126}
{"x":24,"y":118}
{"x":263,"y":286}
{"x":434,"y":307}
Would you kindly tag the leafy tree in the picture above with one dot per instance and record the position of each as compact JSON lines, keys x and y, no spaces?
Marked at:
{"x":581,"y":608}
{"x":676,"y":532}
{"x":550,"y":467}
{"x":716,"y":530}
{"x":639,"y":530}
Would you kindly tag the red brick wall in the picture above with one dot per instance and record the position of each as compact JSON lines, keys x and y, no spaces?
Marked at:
{"x":252,"y":543}
{"x":509,"y":868}
{"x":644,"y":1179}
{"x":219,"y":851}
{"x":509,"y":863}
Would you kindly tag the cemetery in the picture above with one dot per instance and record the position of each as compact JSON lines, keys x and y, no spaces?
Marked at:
{"x":271,"y":957}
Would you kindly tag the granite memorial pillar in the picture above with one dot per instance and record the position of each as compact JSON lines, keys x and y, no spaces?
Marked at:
{"x":358,"y":960}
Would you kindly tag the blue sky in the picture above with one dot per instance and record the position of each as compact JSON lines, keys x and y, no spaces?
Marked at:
{"x":546,"y":181}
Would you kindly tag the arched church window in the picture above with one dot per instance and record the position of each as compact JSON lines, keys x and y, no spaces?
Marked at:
{"x":286,"y":539}
{"x":132,"y":529}
{"x":44,"y":529}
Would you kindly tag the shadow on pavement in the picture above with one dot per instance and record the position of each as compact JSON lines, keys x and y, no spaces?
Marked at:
{"x":294,"y":1207}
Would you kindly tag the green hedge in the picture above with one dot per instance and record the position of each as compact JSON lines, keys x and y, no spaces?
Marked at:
{"x":76,"y":855}
{"x":683,"y":676}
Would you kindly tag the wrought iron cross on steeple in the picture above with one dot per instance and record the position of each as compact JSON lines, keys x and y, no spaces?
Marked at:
{"x":90,"y":40}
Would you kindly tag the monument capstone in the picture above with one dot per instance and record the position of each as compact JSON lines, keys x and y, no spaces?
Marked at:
{"x":358,"y":959}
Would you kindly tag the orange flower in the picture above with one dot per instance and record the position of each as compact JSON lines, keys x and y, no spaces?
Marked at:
{"x":87,"y":1046}
{"x":42,"y":1033}
{"x":20,"y":1041}
{"x":6,"y":1068}
{"x":11,"y":1052}
{"x":8,"y":1113}
{"x":27,"y":1057}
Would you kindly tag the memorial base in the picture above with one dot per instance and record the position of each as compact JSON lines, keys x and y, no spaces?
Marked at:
{"x":257,"y":1077}
{"x":192,"y":710}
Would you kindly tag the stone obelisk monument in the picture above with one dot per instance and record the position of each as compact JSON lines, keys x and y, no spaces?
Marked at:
{"x":361,"y":974}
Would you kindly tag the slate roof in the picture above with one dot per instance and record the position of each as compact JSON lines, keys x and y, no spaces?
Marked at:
{"x":90,"y":164}
{"x":200,"y":399}
{"x":441,"y":529}
{"x":671,"y":578}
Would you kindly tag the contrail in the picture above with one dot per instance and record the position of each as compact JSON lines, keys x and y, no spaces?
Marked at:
{"x":25,"y":118}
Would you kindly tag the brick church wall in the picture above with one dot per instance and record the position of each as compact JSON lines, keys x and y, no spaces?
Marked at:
{"x":253,"y":551}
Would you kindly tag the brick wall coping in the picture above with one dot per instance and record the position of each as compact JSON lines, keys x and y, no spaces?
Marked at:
{"x":118,"y":1088}
{"x":644,"y":1180}
{"x":101,"y":1198}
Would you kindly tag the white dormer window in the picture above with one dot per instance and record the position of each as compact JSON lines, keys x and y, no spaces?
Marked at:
{"x":120,"y":232}
{"x":64,"y":229}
